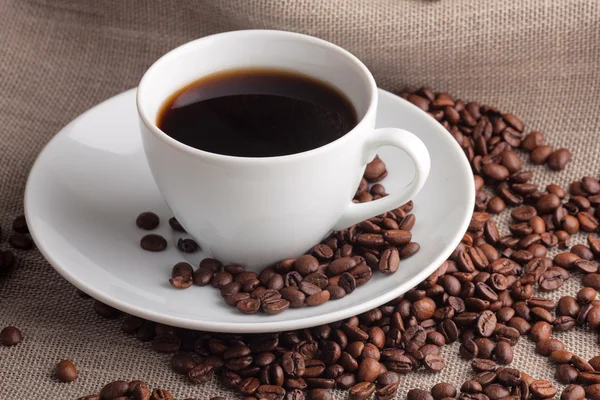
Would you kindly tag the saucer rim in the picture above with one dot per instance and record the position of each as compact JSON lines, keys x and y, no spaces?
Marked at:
{"x":248,"y":327}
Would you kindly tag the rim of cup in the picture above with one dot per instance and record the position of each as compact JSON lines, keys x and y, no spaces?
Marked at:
{"x":190,"y":46}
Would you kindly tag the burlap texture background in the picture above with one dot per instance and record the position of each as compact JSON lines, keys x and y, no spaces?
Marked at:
{"x":537,"y":59}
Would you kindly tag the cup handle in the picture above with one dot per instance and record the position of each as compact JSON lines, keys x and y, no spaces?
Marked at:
{"x":416,"y":150}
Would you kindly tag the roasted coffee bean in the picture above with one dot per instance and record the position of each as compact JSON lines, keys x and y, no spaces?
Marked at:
{"x":20,"y":241}
{"x":166,"y":344}
{"x":248,"y":305}
{"x":397,"y":237}
{"x":389,"y":261}
{"x":418,"y":394}
{"x":146,"y":220}
{"x":496,"y":391}
{"x":306,"y":264}
{"x":573,"y":392}
{"x":320,"y":394}
{"x":481,"y":365}
{"x":563,"y":323}
{"x":345,"y":381}
{"x":486,"y":323}
{"x":503,"y":353}
{"x":566,"y":374}
{"x":471,"y":386}
{"x":20,"y":224}
{"x":153,"y":242}
{"x":443,"y":390}
{"x":347,"y":282}
{"x":508,"y":376}
{"x":540,"y":154}
{"x":274,"y":307}
{"x":105,"y":310}
{"x":65,"y":371}
{"x":362,"y":391}
{"x":593,"y":392}
{"x":557,"y":161}
{"x":547,"y":346}
{"x":433,"y":362}
{"x":182,"y":363}
{"x":10,"y":336}
{"x":187,"y":245}
{"x":542,"y":389}
{"x":592,"y":280}
{"x":468,"y":350}
{"x":318,"y":298}
{"x":175,"y":225}
{"x":409,"y":250}
{"x":114,"y":389}
{"x":561,"y":356}
{"x":532,"y":141}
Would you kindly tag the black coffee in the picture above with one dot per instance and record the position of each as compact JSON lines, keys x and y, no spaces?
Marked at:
{"x":257,"y":113}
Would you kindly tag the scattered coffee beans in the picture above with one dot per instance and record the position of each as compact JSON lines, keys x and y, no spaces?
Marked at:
{"x":485,"y":295}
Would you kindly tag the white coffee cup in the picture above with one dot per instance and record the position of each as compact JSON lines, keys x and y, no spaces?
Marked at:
{"x":257,"y":211}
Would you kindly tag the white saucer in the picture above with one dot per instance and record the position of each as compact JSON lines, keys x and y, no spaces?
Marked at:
{"x":91,"y":181}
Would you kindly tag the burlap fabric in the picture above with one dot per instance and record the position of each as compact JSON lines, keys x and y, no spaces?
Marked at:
{"x":537,"y":59}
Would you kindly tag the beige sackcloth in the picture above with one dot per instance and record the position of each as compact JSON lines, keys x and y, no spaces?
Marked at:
{"x":538,"y":59}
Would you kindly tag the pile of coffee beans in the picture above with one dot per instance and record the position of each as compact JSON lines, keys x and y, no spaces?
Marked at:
{"x":332,"y":269}
{"x":485,"y":296}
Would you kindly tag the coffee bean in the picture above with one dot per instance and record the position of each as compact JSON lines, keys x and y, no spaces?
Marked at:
{"x":592,"y":280}
{"x":508,"y":376}
{"x":566,"y":374}
{"x":503,"y":353}
{"x":20,"y":241}
{"x":306,"y":264}
{"x":496,"y":391}
{"x":433,"y":362}
{"x":163,"y":394}
{"x":362,"y":391}
{"x":203,"y":373}
{"x":443,"y":390}
{"x":147,"y":220}
{"x":114,"y":389}
{"x":10,"y":336}
{"x":182,"y":363}
{"x":248,"y":305}
{"x":105,"y":310}
{"x":592,"y":392}
{"x":418,"y":394}
{"x":468,"y":350}
{"x":409,"y":250}
{"x":166,"y":344}
{"x":542,"y":389}
{"x":153,"y":242}
{"x":65,"y":371}
{"x":547,"y":346}
{"x":175,"y":225}
{"x":532,"y":141}
{"x":318,"y":298}
{"x":573,"y":392}
{"x":471,"y":386}
{"x":486,"y":323}
{"x":481,"y":365}
{"x":561,"y":356}
{"x":540,"y":154}
{"x":587,"y":222}
{"x":320,"y":394}
{"x":375,"y":170}
{"x":389,"y":261}
{"x":187,"y":245}
{"x":589,"y":378}
{"x":20,"y":224}
{"x":557,"y":161}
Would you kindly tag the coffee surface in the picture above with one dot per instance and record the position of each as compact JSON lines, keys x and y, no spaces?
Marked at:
{"x":257,"y":113}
